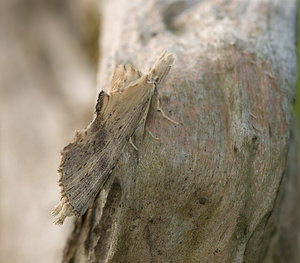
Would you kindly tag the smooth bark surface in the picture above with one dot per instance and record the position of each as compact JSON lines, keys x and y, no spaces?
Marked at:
{"x":210,"y":189}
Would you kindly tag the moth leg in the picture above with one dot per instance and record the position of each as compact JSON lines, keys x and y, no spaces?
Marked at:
{"x":158,"y":107}
{"x":144,"y":119}
{"x":133,"y":145}
{"x":152,"y":135}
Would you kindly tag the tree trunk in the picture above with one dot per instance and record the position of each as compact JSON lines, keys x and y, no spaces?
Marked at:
{"x":210,"y":189}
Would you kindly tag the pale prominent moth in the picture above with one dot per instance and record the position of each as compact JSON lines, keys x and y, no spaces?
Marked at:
{"x":88,"y":160}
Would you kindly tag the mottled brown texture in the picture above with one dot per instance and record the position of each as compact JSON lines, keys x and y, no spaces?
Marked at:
{"x":210,"y":189}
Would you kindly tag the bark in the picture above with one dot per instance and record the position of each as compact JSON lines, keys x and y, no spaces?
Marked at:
{"x":210,"y":190}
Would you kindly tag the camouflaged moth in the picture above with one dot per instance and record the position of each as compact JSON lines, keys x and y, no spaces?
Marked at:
{"x":88,"y":160}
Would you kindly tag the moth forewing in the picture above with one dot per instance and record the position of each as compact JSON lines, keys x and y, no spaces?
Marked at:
{"x":87,"y":161}
{"x":123,"y":76}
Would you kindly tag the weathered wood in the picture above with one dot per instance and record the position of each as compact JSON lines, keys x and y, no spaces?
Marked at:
{"x":210,"y":189}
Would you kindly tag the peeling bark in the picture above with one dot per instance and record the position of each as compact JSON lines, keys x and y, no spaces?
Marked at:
{"x":210,"y":189}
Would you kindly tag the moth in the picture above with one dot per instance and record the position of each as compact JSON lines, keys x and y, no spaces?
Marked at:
{"x":87,"y":161}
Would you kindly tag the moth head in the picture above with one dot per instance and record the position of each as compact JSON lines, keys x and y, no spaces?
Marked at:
{"x":161,"y":68}
{"x":153,"y":80}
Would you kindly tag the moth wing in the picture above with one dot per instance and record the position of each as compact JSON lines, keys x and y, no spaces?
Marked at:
{"x":102,"y":102}
{"x":161,"y":67}
{"x":79,"y":162}
{"x":123,"y":76}
{"x":88,"y":159}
